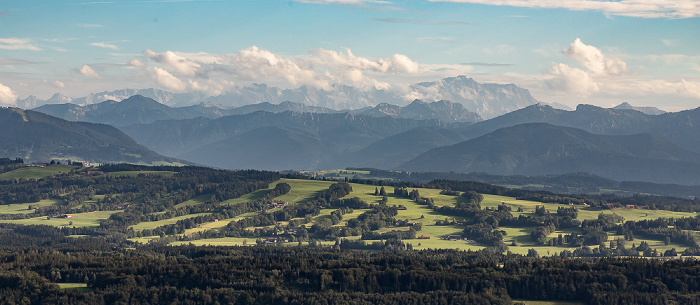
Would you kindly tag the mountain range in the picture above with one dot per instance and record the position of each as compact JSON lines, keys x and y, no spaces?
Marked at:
{"x":544,"y":149}
{"x":37,"y":137}
{"x":138,"y":109}
{"x":486,"y":100}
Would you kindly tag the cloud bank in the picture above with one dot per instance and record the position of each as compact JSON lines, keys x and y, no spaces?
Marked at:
{"x":321,"y":68}
{"x":632,"y":8}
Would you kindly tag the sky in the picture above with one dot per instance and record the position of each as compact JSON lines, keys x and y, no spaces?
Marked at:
{"x":645,"y":52}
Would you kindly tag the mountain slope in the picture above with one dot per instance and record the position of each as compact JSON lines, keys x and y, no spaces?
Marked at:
{"x":395,"y":150}
{"x":445,"y":111}
{"x":35,"y":136}
{"x":269,"y":148}
{"x":542,"y":149}
{"x":343,"y":132}
{"x":682,"y":128}
{"x":133,"y":110}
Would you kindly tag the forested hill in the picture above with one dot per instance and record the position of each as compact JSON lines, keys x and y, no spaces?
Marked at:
{"x":541,"y":149}
{"x":37,"y":137}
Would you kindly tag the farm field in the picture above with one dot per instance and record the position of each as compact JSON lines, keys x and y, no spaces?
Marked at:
{"x":154,"y":224}
{"x":22,"y":208}
{"x":89,"y":219}
{"x":30,"y":172}
{"x":304,"y":190}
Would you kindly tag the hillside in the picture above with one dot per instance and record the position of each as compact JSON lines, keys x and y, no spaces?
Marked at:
{"x":136,"y":109}
{"x":397,"y":149}
{"x":682,"y":128}
{"x":265,"y":148}
{"x":542,"y":149}
{"x":37,"y":137}
{"x":340,"y":133}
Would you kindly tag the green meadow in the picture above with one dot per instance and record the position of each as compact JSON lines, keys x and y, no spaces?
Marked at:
{"x":89,"y":219}
{"x":30,"y":172}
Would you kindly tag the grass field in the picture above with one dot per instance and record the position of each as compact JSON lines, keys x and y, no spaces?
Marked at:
{"x":549,"y":302}
{"x":21,"y":208}
{"x":82,"y":287}
{"x":154,"y":224}
{"x":90,"y":219}
{"x":30,"y":172}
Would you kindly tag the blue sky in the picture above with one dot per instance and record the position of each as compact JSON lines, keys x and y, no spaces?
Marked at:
{"x":646,"y":52}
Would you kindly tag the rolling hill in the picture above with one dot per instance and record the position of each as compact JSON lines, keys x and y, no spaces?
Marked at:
{"x":37,"y":137}
{"x":543,"y":149}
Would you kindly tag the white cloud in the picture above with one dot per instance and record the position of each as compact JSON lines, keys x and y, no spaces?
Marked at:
{"x":17,"y":44}
{"x":167,"y":80}
{"x":7,"y":96}
{"x":136,"y":63}
{"x":320,"y":68}
{"x":59,"y":84}
{"x":630,"y":8}
{"x":89,"y":72}
{"x":174,"y":62}
{"x":593,"y":59}
{"x":104,"y":45}
{"x":572,"y":80}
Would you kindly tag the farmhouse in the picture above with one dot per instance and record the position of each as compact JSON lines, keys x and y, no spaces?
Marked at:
{"x":271,"y":240}
{"x":401,"y":208}
{"x":454,"y":237}
{"x":277,"y":204}
{"x":424,"y":237}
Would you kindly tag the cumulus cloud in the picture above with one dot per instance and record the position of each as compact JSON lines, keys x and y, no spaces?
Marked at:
{"x":104,"y":45}
{"x":7,"y":96}
{"x":599,"y":70}
{"x":174,"y":62}
{"x":59,"y":84}
{"x":572,"y":80}
{"x":630,"y":8}
{"x":167,"y":80}
{"x":593,"y":59}
{"x":89,"y":72}
{"x":18,"y":44}
{"x":135,"y":63}
{"x":320,"y":68}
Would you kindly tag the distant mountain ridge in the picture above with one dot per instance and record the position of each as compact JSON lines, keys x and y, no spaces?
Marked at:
{"x":445,"y":111}
{"x":682,"y":128}
{"x":143,"y":110}
{"x":544,"y":149}
{"x":645,"y":110}
{"x":486,"y":100}
{"x":35,"y":136}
